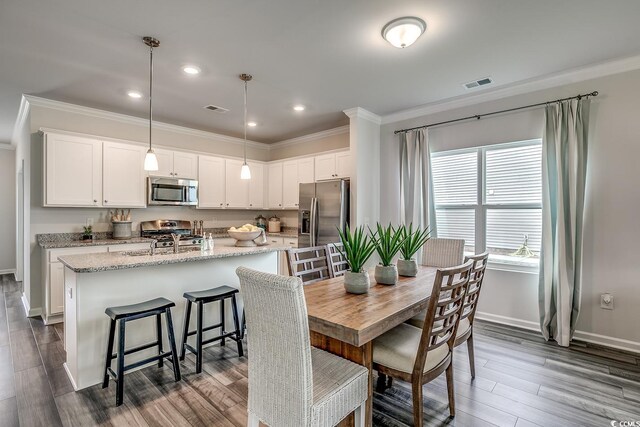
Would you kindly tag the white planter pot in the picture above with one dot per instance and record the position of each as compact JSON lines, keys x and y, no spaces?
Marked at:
{"x":386,"y":274}
{"x":408,"y":268}
{"x":357,"y":283}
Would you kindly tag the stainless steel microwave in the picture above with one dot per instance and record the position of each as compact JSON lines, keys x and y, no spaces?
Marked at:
{"x":172,"y":191}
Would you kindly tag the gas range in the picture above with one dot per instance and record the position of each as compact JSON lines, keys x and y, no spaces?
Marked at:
{"x":162,"y":229}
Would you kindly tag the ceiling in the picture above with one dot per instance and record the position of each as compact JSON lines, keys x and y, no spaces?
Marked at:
{"x":325,"y":54}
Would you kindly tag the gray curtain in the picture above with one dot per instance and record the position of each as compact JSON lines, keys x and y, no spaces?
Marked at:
{"x":564,"y":165}
{"x":416,"y":201}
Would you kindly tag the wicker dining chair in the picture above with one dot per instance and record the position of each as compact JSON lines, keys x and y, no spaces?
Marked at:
{"x":337,"y":264}
{"x":309,"y":264}
{"x":419,"y":355}
{"x":292,"y":384}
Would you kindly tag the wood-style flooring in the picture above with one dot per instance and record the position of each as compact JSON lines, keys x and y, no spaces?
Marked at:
{"x":521,"y":381}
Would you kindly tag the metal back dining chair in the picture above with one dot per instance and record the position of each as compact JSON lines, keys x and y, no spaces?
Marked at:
{"x":419,"y":355}
{"x":309,"y":264}
{"x":465,"y":329}
{"x":292,"y":384}
{"x":337,"y":264}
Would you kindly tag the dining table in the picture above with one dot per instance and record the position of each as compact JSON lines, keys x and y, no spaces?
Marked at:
{"x":346,"y":324}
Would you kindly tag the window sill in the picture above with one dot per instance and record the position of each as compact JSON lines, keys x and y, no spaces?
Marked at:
{"x":524,"y":266}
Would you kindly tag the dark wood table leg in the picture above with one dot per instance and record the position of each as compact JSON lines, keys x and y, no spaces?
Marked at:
{"x":361,"y":355}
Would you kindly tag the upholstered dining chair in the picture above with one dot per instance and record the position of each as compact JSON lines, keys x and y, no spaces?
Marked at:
{"x":337,"y":264}
{"x":309,"y":264}
{"x":419,"y":355}
{"x":292,"y":384}
{"x":440,"y":253}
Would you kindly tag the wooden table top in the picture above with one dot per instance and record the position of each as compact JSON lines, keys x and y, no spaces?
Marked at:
{"x":358,"y":319}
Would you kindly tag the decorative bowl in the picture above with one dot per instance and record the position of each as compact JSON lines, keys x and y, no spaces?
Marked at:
{"x":245,"y":238}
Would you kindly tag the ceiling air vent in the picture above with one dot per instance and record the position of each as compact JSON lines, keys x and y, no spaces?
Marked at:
{"x":478,"y":83}
{"x":216,"y":109}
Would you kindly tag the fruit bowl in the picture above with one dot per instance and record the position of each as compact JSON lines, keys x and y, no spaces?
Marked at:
{"x":245,"y":238}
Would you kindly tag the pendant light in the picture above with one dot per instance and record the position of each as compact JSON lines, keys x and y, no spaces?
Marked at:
{"x":245,"y":172}
{"x":150,"y":160}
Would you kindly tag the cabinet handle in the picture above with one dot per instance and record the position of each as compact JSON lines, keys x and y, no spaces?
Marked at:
{"x":250,"y":204}
{"x":106,"y":201}
{"x":227,"y":204}
{"x":279,"y":204}
{"x":95,"y":201}
{"x":221,"y":204}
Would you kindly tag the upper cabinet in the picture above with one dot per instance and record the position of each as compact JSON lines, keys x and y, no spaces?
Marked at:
{"x":176,"y":164}
{"x":306,"y":170}
{"x":275,"y":186}
{"x":237,"y":191}
{"x":256,"y":186}
{"x":333,"y":166}
{"x":211,"y":182}
{"x":73,"y":171}
{"x":123,"y":181}
{"x":290,"y":184}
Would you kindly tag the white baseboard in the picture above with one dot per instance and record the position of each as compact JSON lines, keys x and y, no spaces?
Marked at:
{"x":31,"y":312}
{"x":9,"y":271}
{"x":589,"y":337}
{"x":73,"y":383}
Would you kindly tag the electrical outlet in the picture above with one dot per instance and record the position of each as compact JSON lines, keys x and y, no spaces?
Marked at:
{"x":606,"y":301}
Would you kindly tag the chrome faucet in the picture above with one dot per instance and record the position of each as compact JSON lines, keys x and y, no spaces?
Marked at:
{"x":152,"y":251}
{"x":176,"y":242}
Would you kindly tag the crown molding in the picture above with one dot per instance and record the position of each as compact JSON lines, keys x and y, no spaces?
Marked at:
{"x":23,"y":114}
{"x":311,"y":137}
{"x":123,"y":118}
{"x":8,"y":147}
{"x":553,"y":80}
{"x":359,"y":112}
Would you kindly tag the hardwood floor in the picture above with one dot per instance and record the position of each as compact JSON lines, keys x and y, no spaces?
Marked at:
{"x":520,"y":381}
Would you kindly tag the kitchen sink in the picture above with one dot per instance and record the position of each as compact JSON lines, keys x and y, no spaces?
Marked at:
{"x":159,"y":252}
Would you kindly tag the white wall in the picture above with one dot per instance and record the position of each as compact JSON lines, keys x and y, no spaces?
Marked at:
{"x":311,"y":145}
{"x":612,"y":203}
{"x":7,"y":210}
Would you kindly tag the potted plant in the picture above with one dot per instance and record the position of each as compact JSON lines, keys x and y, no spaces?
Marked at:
{"x":388,"y":243}
{"x":412,"y":242}
{"x":87,"y":233}
{"x":357,"y":249}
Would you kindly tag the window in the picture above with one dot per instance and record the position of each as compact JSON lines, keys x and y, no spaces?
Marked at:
{"x":492,"y":198}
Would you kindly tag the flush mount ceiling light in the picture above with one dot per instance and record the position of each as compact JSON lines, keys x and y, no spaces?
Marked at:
{"x":252,"y":124}
{"x":298,"y":107}
{"x":134,"y":94}
{"x":403,"y":32}
{"x":150,"y":160}
{"x":245,"y":172}
{"x":192,"y":70}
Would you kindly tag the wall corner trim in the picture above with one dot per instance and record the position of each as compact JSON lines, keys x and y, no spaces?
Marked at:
{"x":23,"y":113}
{"x":31,"y":312}
{"x":359,"y":112}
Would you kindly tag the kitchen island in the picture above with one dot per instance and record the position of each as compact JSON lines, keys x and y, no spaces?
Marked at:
{"x":93,"y":282}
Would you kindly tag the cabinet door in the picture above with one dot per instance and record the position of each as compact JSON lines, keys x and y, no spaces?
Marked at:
{"x":211,"y":182}
{"x":165,"y":163}
{"x":123,"y":181}
{"x":325,"y":167}
{"x":73,"y":171}
{"x":256,"y":186}
{"x":306,"y":172}
{"x":290,"y":184}
{"x":185,"y":165}
{"x":343,"y":164}
{"x":56,"y":288}
{"x":236,"y":189}
{"x":275,"y":186}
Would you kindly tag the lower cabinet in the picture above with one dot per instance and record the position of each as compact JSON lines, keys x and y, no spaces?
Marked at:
{"x":283,"y":263}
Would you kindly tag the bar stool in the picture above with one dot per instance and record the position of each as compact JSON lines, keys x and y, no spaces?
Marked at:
{"x":201,"y":298}
{"x":126,"y":313}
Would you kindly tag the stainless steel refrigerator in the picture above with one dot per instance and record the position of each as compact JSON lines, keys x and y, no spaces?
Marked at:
{"x":324,"y":206}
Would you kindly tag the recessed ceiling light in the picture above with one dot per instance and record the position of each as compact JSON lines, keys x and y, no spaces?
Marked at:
{"x":134,"y":94}
{"x":252,"y":124}
{"x":298,"y":107}
{"x":403,"y":32}
{"x":191,"y":70}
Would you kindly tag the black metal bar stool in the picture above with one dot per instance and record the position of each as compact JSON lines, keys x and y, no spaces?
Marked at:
{"x":201,"y":298}
{"x":126,"y":313}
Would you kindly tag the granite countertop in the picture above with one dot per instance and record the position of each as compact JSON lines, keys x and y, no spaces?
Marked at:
{"x":93,"y":263}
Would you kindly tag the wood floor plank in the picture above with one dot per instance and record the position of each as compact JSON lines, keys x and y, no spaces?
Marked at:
{"x":17,"y":319}
{"x":95,"y":406}
{"x":24,"y":350}
{"x":36,"y":406}
{"x":524,"y":423}
{"x":53,"y":356}
{"x":9,"y":412}
{"x":631,"y":394}
{"x":598,"y":405}
{"x":7,"y":387}
{"x":43,"y":334}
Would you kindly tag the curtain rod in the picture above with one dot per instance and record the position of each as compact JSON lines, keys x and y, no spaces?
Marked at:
{"x":478,"y":116}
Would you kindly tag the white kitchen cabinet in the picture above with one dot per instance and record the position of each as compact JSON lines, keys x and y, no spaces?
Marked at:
{"x":275,"y":186}
{"x":290,"y":184}
{"x":123,"y":181}
{"x":236,"y":189}
{"x":211,"y":182}
{"x":72,"y":171}
{"x":176,"y":164}
{"x":256,"y":186}
{"x":333,"y":166}
{"x":306,"y":170}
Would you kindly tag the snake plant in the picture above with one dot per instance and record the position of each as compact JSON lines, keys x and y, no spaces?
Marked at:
{"x":412,"y":240}
{"x":357,"y":247}
{"x":389,"y":242}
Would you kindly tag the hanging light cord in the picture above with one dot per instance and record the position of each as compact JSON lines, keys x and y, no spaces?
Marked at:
{"x":150,"y":92}
{"x":245,"y":122}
